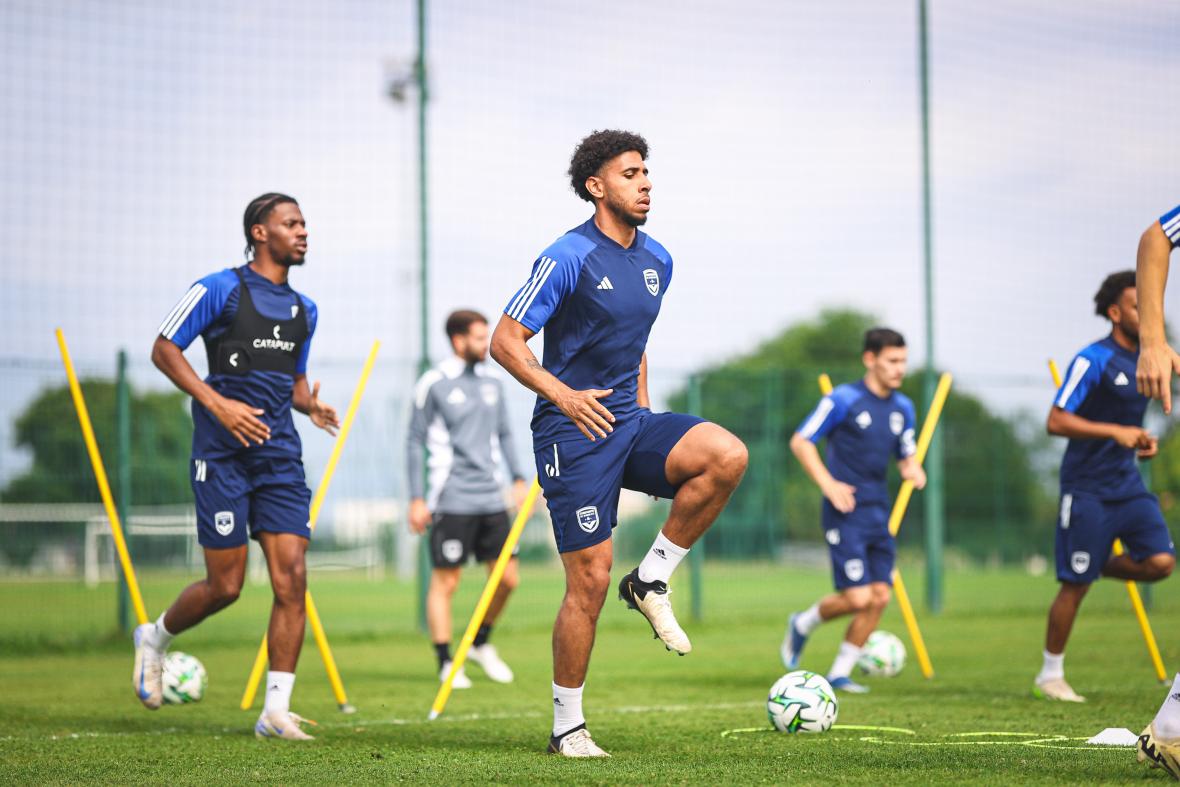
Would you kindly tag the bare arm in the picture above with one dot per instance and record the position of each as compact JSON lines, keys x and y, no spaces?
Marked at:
{"x":840,"y":494}
{"x":1157,"y":360}
{"x":510,"y":349}
{"x":1066,"y":424}
{"x":911,"y":470}
{"x":239,"y":418}
{"x":307,"y":401}
{"x":643,"y":399}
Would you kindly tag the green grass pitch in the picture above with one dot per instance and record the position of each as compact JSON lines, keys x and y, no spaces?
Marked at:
{"x":68,"y":714}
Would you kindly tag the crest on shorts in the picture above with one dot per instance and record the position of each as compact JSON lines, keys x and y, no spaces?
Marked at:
{"x":652,"y":279}
{"x":588,"y":518}
{"x":452,"y":550}
{"x":833,"y":536}
{"x":1079,"y":562}
{"x":224,"y":522}
{"x":854,"y":569}
{"x":896,"y":422}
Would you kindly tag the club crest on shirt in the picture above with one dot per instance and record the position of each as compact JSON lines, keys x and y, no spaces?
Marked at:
{"x":294,"y":310}
{"x":1079,"y":562}
{"x":224,"y":522}
{"x":864,"y":420}
{"x":588,"y":518}
{"x":854,"y":569}
{"x":652,"y":279}
{"x":896,"y":422}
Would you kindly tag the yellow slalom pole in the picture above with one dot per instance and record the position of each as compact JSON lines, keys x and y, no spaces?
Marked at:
{"x":489,"y":590}
{"x":317,"y":628}
{"x":1132,"y":589}
{"x":899,"y":506}
{"x":100,"y":475}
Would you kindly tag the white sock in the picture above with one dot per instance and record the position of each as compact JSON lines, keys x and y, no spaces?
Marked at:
{"x":808,"y":620}
{"x":567,"y":709}
{"x":661,"y":560}
{"x":1053,"y":667}
{"x":278,"y":691}
{"x":1167,"y":721}
{"x":158,"y":636}
{"x":845,"y":660}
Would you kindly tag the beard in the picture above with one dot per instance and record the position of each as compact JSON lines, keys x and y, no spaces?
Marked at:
{"x":292,"y":260}
{"x":623,"y":214}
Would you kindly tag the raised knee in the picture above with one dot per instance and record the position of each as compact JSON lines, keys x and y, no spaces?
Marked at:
{"x":859,"y":601}
{"x":1161,"y":566}
{"x":733,"y":459}
{"x":881,"y":600}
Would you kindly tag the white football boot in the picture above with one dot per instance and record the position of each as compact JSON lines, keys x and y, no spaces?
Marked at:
{"x":651,"y":599}
{"x":576,"y":743}
{"x":489,"y":659}
{"x":461,"y":680}
{"x":1158,"y":752}
{"x":284,"y":726}
{"x":148,"y":675}
{"x":1056,"y":689}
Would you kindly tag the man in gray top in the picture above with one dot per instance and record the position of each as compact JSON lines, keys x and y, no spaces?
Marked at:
{"x":460,"y":418}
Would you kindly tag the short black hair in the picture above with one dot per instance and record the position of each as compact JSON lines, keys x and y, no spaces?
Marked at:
{"x":459,"y":322}
{"x":1111,"y":290}
{"x":257,"y":212}
{"x":877,"y":339}
{"x":597,"y":149}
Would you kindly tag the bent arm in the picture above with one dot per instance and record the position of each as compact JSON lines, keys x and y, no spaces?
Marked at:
{"x":808,"y":455}
{"x":1151,"y":279}
{"x":1066,"y":424}
{"x":301,"y":395}
{"x":170,"y":360}
{"x":510,"y":349}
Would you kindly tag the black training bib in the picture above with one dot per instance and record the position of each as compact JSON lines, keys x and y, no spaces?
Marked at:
{"x":255,"y":343}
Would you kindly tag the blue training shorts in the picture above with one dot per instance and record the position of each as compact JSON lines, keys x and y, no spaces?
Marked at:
{"x":582,"y":479}
{"x":1087,"y":527}
{"x":267,"y":492}
{"x":859,"y":543}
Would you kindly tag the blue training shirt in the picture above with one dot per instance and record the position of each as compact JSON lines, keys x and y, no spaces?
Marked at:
{"x":1170,"y":221}
{"x":864,"y":432}
{"x":596,"y":302}
{"x":208,"y":310}
{"x":1100,"y":386}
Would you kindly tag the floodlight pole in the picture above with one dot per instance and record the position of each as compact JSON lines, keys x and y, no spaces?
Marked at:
{"x":933,"y":502}
{"x":423,"y":273}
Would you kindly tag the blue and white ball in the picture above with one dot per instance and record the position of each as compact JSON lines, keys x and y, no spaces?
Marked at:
{"x":802,"y":701}
{"x":883,"y":655}
{"x":185,"y":679}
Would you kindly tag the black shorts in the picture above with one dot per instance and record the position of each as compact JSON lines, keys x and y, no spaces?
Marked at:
{"x":456,"y":537}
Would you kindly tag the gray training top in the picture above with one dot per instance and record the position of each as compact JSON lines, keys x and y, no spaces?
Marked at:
{"x":460,"y":416}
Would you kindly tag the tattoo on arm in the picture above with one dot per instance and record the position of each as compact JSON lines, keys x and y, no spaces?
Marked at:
{"x":533,"y":363}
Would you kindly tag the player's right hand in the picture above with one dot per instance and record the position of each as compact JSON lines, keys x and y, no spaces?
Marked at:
{"x":587,"y":413}
{"x":842,"y":496}
{"x":1153,"y":375}
{"x":241,"y":420}
{"x":1134,"y":437}
{"x":419,"y":516}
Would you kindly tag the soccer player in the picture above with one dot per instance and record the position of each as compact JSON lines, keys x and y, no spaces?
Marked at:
{"x":1159,"y":744}
{"x":460,"y":417}
{"x":867,"y":424}
{"x":596,"y":291}
{"x":1102,"y":493}
{"x":247,"y":468}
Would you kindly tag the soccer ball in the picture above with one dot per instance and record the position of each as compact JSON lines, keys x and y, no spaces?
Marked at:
{"x":883,"y":655}
{"x":802,"y":701}
{"x":184,"y":679}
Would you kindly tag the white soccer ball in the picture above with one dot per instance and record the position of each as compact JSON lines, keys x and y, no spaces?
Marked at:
{"x":883,"y":655}
{"x":185,"y":678}
{"x":802,"y":701}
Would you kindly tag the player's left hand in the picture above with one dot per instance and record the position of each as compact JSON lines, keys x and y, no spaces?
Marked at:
{"x":321,"y":414}
{"x":917,"y":475}
{"x":1150,"y":450}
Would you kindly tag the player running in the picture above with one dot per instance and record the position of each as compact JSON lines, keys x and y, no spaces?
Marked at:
{"x":1159,"y":744}
{"x":460,"y":417}
{"x":596,"y":291}
{"x":867,"y":424}
{"x":246,"y":462}
{"x":1102,"y":493}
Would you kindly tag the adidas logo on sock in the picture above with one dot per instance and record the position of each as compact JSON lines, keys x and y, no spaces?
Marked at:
{"x":605,"y":284}
{"x":557,"y":701}
{"x":660,"y":553}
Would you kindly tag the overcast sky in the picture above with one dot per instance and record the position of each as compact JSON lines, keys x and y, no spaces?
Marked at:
{"x":784,"y":152}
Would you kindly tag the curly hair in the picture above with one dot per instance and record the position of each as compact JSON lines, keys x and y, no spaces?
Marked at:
{"x":597,"y":149}
{"x":1111,"y":290}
